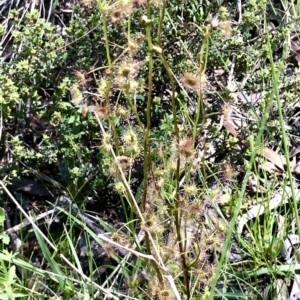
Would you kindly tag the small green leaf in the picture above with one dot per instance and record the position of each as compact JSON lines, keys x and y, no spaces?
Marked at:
{"x":5,"y":238}
{"x":71,"y":120}
{"x":4,"y":296}
{"x":2,"y":216}
{"x":12,"y":274}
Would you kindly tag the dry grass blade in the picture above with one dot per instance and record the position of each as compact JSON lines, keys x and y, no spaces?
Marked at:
{"x":26,"y":222}
{"x":277,"y":159}
{"x":230,"y":127}
{"x":295,"y":151}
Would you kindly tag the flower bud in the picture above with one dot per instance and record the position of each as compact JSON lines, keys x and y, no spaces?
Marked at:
{"x":144,"y":21}
{"x":214,"y":23}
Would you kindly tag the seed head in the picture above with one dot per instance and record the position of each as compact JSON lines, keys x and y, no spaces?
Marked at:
{"x":135,"y":86}
{"x":221,"y":225}
{"x":81,"y":78}
{"x":84,"y":110}
{"x":160,"y":182}
{"x":109,"y":249}
{"x":204,"y":256}
{"x":122,"y":162}
{"x":152,"y":224}
{"x":144,"y":21}
{"x":157,"y":50}
{"x":173,"y":166}
{"x":194,"y":82}
{"x":134,"y":150}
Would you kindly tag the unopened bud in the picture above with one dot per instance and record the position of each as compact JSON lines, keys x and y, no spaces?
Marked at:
{"x":144,"y":21}
{"x":214,"y":23}
{"x":157,"y":50}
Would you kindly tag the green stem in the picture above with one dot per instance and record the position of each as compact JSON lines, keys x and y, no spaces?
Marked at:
{"x":149,"y":101}
{"x":110,"y":67}
{"x":134,"y":109}
{"x":284,"y":136}
{"x":202,"y":62}
{"x":147,"y":131}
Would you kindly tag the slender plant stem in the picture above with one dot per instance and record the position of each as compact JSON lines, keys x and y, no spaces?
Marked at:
{"x":149,"y":101}
{"x":284,"y":136}
{"x":110,"y":68}
{"x":178,"y":218}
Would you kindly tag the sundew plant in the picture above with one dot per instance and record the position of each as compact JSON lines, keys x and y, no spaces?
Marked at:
{"x":149,"y":149}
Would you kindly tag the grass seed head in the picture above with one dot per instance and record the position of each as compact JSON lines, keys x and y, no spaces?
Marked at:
{"x":152,"y":224}
{"x":121,"y":162}
{"x":135,"y":86}
{"x":81,"y":78}
{"x":173,"y":166}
